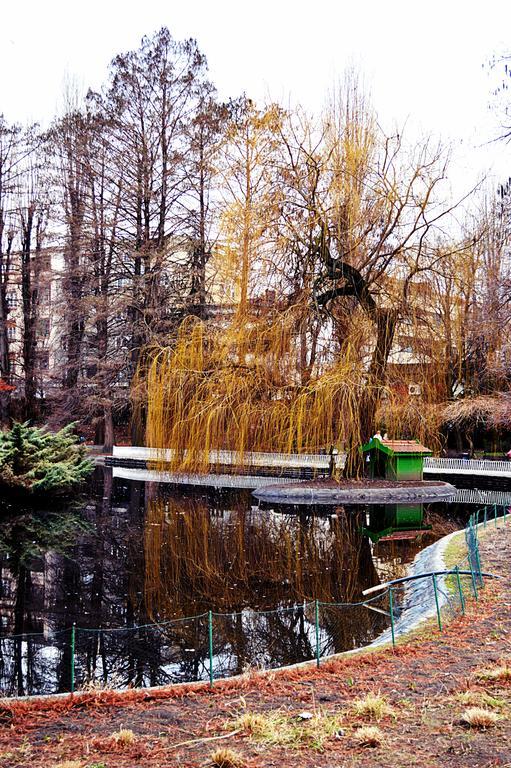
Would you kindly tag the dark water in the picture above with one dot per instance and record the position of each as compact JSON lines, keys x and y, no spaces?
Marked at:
{"x":131,"y":564}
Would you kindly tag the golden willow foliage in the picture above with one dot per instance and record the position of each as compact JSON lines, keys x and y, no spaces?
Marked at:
{"x":236,"y":389}
{"x":412,"y":418}
{"x":250,"y":198}
{"x":195,"y":559}
{"x":351,"y":138}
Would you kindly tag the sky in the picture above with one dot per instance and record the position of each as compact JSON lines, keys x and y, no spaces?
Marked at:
{"x":424,"y":63}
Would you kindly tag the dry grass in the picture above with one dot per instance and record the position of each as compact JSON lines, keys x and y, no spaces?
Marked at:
{"x":480,"y":699}
{"x":124,"y":737}
{"x":455,"y":552}
{"x":499,"y":673}
{"x":281,"y":729}
{"x":369,"y":736}
{"x":477,"y":717}
{"x":223,"y":757}
{"x":95,"y":686}
{"x":372,"y":707}
{"x":253,"y":723}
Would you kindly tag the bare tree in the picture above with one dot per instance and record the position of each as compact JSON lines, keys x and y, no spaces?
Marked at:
{"x":361,"y":213}
{"x":11,"y":155}
{"x":70,"y":137}
{"x":33,"y":218}
{"x":203,"y":134}
{"x":150,"y":98}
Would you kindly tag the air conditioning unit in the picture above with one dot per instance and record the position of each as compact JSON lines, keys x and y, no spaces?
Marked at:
{"x":414,"y":389}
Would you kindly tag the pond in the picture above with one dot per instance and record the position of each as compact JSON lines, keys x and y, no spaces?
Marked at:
{"x":137,"y":567}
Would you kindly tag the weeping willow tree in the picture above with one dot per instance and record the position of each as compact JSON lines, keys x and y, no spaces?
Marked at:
{"x":197,"y":559}
{"x":236,"y":389}
{"x":324,"y":232}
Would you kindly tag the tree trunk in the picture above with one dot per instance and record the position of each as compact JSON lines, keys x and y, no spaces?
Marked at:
{"x":385,"y":321}
{"x":22,"y":590}
{"x":108,"y":436}
{"x":29,"y":305}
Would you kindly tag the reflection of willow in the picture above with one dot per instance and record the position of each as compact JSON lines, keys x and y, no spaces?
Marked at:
{"x":239,"y":558}
{"x":195,"y":561}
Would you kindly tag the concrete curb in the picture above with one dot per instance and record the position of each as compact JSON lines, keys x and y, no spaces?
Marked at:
{"x":302,"y":494}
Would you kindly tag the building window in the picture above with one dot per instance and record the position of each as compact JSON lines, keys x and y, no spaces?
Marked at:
{"x":120,"y":342}
{"x":44,"y":296}
{"x":44,"y":261}
{"x":12,"y":299}
{"x":11,"y":333}
{"x":43,"y":327}
{"x":43,"y":361}
{"x":120,"y":282}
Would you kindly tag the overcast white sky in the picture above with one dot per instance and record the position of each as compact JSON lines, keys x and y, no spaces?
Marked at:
{"x":422,"y":60}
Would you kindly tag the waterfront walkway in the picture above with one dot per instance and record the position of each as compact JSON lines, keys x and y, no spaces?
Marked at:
{"x":480,"y":467}
{"x":267,"y":468}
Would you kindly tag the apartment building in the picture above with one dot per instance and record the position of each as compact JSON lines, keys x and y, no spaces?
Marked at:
{"x":45,"y":277}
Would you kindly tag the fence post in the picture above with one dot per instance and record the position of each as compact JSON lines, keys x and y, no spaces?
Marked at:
{"x":460,"y":590}
{"x":437,"y":603}
{"x":478,"y":562}
{"x":210,"y":647}
{"x":472,"y":575}
{"x":495,"y":514}
{"x":485,"y":515}
{"x":391,"y":610}
{"x":73,"y":642}
{"x":316,"y":620}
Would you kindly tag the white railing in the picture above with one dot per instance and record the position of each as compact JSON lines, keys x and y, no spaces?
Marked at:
{"x":230,"y":458}
{"x":467,"y":466}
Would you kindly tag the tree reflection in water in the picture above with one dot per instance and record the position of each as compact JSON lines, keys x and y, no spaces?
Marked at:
{"x":152,"y":556}
{"x":32,"y":541}
{"x":232,"y":560}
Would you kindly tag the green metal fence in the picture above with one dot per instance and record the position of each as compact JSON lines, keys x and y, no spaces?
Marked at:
{"x":212,"y":645}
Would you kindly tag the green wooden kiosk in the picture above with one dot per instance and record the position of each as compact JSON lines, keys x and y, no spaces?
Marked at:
{"x":395,"y":459}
